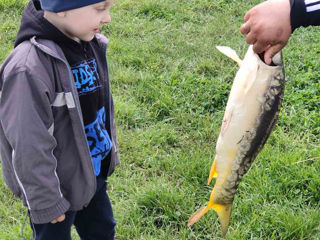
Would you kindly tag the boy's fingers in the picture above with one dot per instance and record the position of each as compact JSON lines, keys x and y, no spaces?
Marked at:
{"x":59,"y":219}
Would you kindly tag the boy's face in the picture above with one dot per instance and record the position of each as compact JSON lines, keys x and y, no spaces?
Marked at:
{"x":83,"y":23}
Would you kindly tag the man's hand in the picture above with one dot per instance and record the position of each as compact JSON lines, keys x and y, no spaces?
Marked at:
{"x":267,"y":26}
{"x":59,"y":219}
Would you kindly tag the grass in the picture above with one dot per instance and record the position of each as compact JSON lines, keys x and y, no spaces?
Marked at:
{"x":170,"y":87}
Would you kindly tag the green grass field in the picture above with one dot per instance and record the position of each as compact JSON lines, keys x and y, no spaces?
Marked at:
{"x":170,"y":86}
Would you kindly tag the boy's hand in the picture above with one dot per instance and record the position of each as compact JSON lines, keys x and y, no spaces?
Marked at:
{"x":267,"y":26}
{"x":59,"y":219}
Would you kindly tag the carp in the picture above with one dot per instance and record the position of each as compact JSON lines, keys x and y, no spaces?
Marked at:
{"x":251,"y":114}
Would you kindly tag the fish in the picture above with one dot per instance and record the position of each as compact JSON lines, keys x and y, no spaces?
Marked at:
{"x":250,"y":116}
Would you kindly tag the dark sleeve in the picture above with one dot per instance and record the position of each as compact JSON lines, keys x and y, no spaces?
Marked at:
{"x":304,"y":13}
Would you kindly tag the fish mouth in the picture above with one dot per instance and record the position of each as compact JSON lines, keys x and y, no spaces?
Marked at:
{"x":276,"y":60}
{"x":275,"y":63}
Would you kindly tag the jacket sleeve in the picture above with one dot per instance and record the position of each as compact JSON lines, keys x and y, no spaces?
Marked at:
{"x":304,"y":13}
{"x":27,"y":120}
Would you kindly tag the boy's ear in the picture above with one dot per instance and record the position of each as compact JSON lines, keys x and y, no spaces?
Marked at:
{"x":62,"y":14}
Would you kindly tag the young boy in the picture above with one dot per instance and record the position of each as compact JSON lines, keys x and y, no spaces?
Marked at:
{"x":57,"y":131}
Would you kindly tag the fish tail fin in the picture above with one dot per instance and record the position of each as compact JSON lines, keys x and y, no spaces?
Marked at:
{"x":199,"y":214}
{"x":223,"y":212}
{"x":213,"y":171}
{"x":229,"y":52}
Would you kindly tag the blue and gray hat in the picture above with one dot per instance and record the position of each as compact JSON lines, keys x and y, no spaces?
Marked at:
{"x":64,"y":5}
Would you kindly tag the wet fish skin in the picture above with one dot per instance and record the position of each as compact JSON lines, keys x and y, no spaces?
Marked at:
{"x":251,"y":114}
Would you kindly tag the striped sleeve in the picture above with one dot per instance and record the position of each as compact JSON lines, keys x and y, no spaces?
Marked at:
{"x":304,"y":13}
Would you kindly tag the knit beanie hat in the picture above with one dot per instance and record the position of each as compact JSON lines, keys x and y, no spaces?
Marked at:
{"x":64,"y":5}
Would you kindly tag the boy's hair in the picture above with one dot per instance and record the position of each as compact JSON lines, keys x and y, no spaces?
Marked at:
{"x":64,"y":5}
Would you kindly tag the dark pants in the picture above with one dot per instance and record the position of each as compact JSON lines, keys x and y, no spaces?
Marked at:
{"x":95,"y":222}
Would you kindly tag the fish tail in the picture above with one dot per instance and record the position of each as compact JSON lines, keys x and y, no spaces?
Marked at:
{"x":223,"y":211}
{"x":198,"y":214}
{"x":213,"y":171}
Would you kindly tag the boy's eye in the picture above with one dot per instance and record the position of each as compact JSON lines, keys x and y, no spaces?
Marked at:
{"x":101,"y":9}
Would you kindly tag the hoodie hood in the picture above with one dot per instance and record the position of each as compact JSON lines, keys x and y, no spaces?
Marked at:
{"x":33,"y":23}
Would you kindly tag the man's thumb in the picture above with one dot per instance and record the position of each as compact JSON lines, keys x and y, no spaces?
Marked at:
{"x":271,"y":51}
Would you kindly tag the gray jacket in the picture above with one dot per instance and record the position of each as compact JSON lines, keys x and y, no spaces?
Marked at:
{"x":45,"y":156}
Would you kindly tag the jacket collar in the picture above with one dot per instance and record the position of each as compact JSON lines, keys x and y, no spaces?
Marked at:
{"x":51,"y":48}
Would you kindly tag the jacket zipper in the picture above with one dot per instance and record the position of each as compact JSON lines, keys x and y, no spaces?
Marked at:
{"x":72,"y":88}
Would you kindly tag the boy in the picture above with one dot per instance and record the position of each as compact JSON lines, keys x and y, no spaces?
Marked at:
{"x":57,"y":132}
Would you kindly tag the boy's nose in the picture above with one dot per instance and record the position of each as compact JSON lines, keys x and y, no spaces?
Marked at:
{"x":106,"y":19}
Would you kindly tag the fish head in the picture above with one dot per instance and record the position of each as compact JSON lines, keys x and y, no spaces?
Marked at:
{"x":277,"y":59}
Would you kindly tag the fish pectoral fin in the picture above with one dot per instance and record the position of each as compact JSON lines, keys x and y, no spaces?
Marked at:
{"x":223,"y":212}
{"x":213,"y":171}
{"x":229,"y":52}
{"x":198,"y":214}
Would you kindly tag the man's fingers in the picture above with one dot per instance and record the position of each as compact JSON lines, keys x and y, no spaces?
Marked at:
{"x":251,"y":39}
{"x":270,"y":52}
{"x":245,"y":29}
{"x":246,"y":17}
{"x":260,"y":47}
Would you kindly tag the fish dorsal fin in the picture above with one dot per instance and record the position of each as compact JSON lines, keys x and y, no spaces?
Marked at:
{"x":229,"y":52}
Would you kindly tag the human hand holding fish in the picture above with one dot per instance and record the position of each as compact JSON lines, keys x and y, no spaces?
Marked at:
{"x":268,"y":27}
{"x":250,"y":116}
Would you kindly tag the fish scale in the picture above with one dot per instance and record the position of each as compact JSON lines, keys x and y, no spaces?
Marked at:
{"x":251,"y":114}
